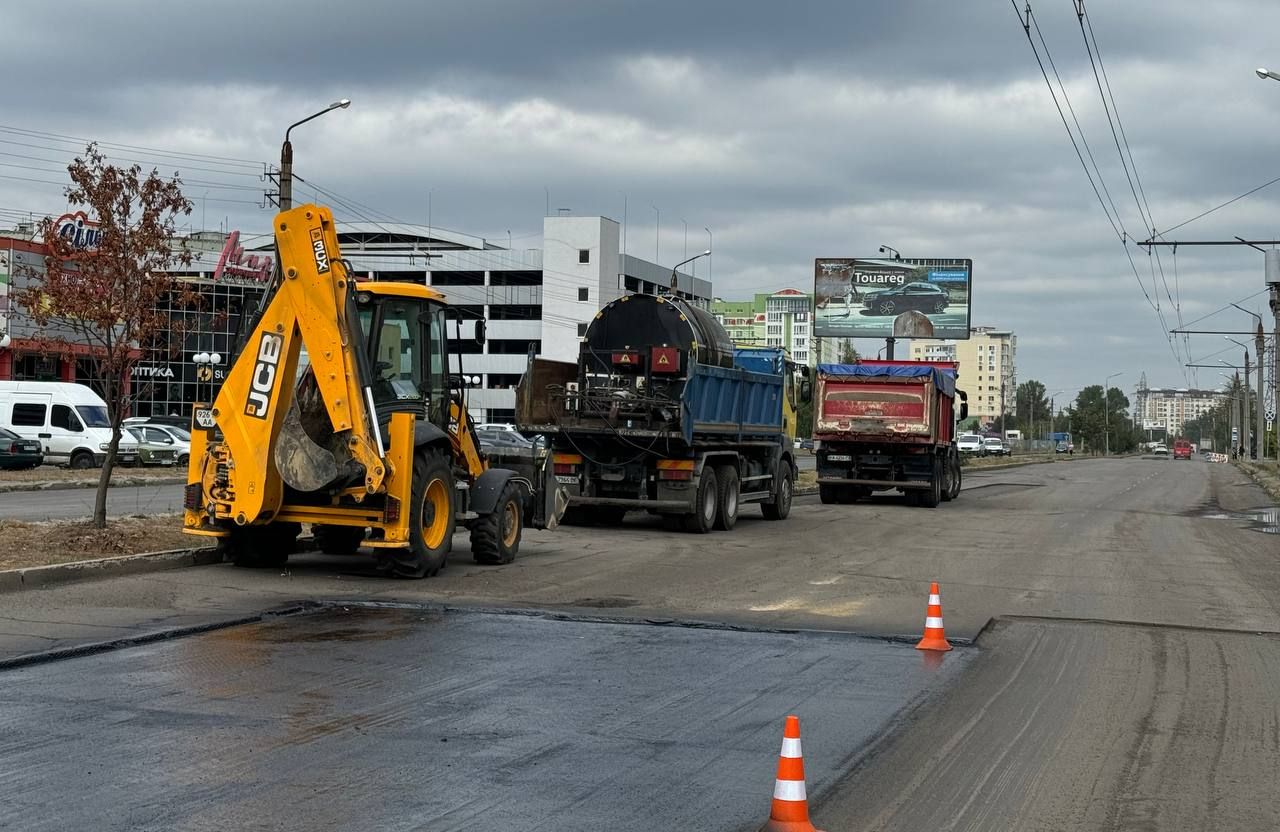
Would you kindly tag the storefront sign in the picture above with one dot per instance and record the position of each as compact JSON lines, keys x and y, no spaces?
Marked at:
{"x":233,"y":262}
{"x":151,"y":371}
{"x":82,"y":233}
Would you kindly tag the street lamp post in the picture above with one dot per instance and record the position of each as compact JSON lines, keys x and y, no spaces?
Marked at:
{"x":1106,"y":413}
{"x":286,"y":154}
{"x":674,"y":268}
{"x":1260,"y":350}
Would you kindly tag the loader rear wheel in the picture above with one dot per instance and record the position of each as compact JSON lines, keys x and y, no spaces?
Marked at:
{"x":338,"y":540}
{"x":262,"y":547}
{"x":431,"y":519}
{"x":703,"y":517}
{"x":495,"y":538}
{"x":727,"y":497}
{"x":781,"y":505}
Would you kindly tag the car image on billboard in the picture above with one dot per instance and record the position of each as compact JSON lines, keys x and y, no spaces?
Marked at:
{"x":865,"y":297}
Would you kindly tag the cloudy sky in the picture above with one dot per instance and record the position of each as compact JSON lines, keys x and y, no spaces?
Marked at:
{"x":792,"y":131}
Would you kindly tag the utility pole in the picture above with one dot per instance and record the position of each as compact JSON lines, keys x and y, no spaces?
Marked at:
{"x":1271,"y":260}
{"x":1260,"y":347}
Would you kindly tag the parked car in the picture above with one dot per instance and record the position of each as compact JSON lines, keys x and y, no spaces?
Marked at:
{"x":69,"y":420}
{"x":17,"y":454}
{"x":1181,"y":449}
{"x":1160,"y":450}
{"x":922,"y":297}
{"x":492,"y":426}
{"x":995,"y":446}
{"x":173,"y":421}
{"x":1064,"y":448}
{"x":970,"y":443}
{"x":171,"y":437}
{"x":155,"y":447}
{"x":806,"y":444}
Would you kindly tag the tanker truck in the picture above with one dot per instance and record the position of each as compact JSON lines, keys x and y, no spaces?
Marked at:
{"x":662,"y":413}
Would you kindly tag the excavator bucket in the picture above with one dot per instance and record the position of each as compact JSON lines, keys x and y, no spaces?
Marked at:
{"x":303,"y":464}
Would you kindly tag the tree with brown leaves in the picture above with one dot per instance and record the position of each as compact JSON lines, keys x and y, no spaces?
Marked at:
{"x":109,"y":300}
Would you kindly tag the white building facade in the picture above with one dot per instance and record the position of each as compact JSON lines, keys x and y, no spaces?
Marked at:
{"x":1171,"y":408}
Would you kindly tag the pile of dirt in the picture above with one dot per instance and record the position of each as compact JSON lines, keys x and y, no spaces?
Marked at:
{"x":63,"y":541}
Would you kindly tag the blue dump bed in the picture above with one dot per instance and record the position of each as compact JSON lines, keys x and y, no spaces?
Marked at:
{"x":735,"y":403}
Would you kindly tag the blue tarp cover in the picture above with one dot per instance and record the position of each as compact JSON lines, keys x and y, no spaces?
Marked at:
{"x":944,"y":380}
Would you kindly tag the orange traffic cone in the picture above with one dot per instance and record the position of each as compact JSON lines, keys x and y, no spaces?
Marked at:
{"x":790,"y":809}
{"x":935,"y":637}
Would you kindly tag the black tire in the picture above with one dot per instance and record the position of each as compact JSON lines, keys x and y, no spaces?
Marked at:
{"x":829,"y":494}
{"x":495,"y":537}
{"x":338,"y":540}
{"x":952,"y":489}
{"x":80,"y":460}
{"x":854,"y":493}
{"x":727,"y":503}
{"x":262,"y":547}
{"x":931,"y":498}
{"x":780,"y":506}
{"x":183,"y":460}
{"x":703,"y":517}
{"x":431,"y":519}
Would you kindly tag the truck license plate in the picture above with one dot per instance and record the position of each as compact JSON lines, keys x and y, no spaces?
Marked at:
{"x":839,"y":458}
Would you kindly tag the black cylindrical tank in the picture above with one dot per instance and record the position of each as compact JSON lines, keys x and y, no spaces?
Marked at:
{"x":642,"y":321}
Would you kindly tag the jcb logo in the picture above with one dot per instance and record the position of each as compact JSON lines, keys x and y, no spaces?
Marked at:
{"x":317,"y":248}
{"x":264,"y":376}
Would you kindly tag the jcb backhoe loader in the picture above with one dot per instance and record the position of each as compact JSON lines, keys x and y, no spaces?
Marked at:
{"x":368,"y":441}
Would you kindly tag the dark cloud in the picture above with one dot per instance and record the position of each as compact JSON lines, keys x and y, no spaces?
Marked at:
{"x":792,"y":130}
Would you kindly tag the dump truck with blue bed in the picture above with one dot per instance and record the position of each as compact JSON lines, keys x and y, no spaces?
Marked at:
{"x":888,"y":425}
{"x":662,"y":413}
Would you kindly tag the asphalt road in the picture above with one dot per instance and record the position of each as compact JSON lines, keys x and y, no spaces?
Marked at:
{"x":69,"y":503}
{"x":1167,"y":720}
{"x":408,"y":719}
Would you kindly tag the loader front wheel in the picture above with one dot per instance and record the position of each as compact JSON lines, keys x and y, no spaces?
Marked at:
{"x":431,"y":519}
{"x":495,"y":538}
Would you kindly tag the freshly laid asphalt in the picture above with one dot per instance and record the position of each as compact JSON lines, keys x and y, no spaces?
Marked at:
{"x":406,"y":719}
{"x":1126,"y":682}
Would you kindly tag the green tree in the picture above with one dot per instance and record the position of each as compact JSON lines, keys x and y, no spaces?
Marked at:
{"x":1093,"y":420}
{"x":1031,"y":412}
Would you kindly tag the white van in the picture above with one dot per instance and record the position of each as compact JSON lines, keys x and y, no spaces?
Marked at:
{"x":70,"y":420}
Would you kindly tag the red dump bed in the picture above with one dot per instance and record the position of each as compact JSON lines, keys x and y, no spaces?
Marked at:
{"x":908,"y":401}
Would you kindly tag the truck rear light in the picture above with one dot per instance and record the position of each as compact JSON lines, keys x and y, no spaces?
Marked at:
{"x":565,"y":463}
{"x":675,"y":469}
{"x":191,"y":496}
{"x":391,"y":510}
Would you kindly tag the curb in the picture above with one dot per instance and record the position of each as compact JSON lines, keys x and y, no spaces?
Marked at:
{"x":1263,"y":478}
{"x":41,"y":577}
{"x":67,"y":485}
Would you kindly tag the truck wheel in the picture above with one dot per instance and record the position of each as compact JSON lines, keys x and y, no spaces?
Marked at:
{"x":495,"y":538}
{"x":727,"y":497}
{"x":781,"y":505}
{"x":703,"y":517}
{"x":431,"y":519}
{"x":829,"y":494}
{"x":952,"y":489}
{"x":931,"y":498}
{"x":262,"y":547}
{"x":338,"y":540}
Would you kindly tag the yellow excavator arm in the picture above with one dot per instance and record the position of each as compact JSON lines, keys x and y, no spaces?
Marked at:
{"x":263,"y":446}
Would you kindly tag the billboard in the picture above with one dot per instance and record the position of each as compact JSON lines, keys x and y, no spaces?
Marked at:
{"x":867,"y":297}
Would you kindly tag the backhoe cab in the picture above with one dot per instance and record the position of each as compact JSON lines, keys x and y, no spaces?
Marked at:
{"x":340,"y":412}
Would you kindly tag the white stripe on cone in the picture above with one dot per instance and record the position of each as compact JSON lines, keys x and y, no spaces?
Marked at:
{"x":791,"y":747}
{"x":788,"y":790}
{"x":935,"y":601}
{"x":933,"y":623}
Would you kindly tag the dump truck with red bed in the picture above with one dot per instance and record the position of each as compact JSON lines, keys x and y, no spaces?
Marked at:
{"x":888,"y":425}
